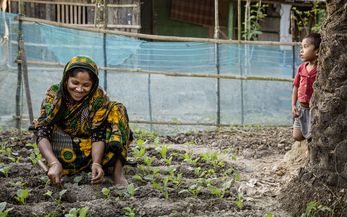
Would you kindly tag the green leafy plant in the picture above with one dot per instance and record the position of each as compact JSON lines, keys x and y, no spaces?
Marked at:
{"x":78,"y":212}
{"x":3,"y":211}
{"x":106,"y":192}
{"x":129,"y":211}
{"x":239,"y":201}
{"x":253,"y":16}
{"x":131,"y":190}
{"x":4,"y":169}
{"x":216,"y":191}
{"x":309,"y":20}
{"x":22,"y":195}
{"x":49,"y":193}
{"x":77,"y":179}
{"x":314,"y":207}
{"x":36,"y":154}
{"x":268,"y":214}
{"x":148,"y":160}
{"x":60,"y":196}
{"x":139,"y":150}
{"x":212,"y":158}
{"x":189,"y":159}
{"x":163,"y":151}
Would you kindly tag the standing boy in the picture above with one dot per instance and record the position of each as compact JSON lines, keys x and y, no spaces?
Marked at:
{"x":303,"y":86}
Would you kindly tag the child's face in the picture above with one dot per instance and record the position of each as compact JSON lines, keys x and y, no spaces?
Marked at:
{"x":308,"y":51}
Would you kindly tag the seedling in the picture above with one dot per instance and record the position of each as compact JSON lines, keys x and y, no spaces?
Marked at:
{"x":49,"y":193}
{"x":106,"y":192}
{"x":78,"y":212}
{"x":139,"y":150}
{"x":314,"y":207}
{"x":194,"y":189}
{"x":148,"y":160}
{"x":22,"y":195}
{"x":239,"y":201}
{"x":5,"y":170}
{"x":163,"y":151}
{"x":137,"y":177}
{"x":129,"y":211}
{"x":78,"y":179}
{"x":61,"y":194}
{"x":213,"y":158}
{"x":131,"y":190}
{"x":216,"y":191}
{"x":35,"y":155}
{"x":189,"y":159}
{"x":3,"y":211}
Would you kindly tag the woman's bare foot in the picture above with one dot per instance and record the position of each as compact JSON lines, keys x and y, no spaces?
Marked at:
{"x":118,"y":175}
{"x":120,"y":181}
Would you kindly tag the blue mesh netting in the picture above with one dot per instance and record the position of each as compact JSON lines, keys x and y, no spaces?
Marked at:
{"x":157,"y":97}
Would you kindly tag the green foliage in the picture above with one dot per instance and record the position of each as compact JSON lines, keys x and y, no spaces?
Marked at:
{"x":61,"y":194}
{"x":212,"y":158}
{"x":129,"y":211}
{"x":131,"y":190}
{"x":314,"y":207}
{"x":148,"y":160}
{"x":77,"y":179}
{"x":36,"y":154}
{"x":189,"y":159}
{"x":145,"y":135}
{"x":268,"y":215}
{"x":106,"y":192}
{"x":305,"y":18}
{"x":78,"y":212}
{"x":3,"y":211}
{"x":22,"y":195}
{"x":4,"y":169}
{"x":252,"y":26}
{"x":239,"y":201}
{"x":139,"y":151}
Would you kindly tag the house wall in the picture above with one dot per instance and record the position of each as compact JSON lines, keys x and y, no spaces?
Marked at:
{"x":163,"y":25}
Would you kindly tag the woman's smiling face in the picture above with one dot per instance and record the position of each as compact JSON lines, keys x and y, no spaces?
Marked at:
{"x":79,"y":85}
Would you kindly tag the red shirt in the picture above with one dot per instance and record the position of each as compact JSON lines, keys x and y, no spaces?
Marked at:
{"x":304,"y":82}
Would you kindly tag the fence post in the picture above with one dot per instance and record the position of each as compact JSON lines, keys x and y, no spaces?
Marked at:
{"x":24,"y":68}
{"x":105,"y":44}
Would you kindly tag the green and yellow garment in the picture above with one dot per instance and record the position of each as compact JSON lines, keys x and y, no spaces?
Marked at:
{"x":72,"y":128}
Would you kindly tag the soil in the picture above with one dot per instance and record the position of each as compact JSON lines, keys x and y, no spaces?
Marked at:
{"x":229,"y":172}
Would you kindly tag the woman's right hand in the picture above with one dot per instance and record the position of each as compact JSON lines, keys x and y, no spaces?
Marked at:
{"x":55,"y":172}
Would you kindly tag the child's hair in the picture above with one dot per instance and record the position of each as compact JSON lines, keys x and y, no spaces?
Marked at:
{"x":316,"y":39}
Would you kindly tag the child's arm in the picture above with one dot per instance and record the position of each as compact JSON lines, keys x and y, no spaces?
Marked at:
{"x":295,"y":111}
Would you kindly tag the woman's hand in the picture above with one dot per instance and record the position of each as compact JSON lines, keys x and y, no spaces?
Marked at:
{"x":55,"y":172}
{"x":97,"y":173}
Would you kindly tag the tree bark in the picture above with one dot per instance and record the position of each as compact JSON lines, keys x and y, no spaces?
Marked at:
{"x":328,"y":149}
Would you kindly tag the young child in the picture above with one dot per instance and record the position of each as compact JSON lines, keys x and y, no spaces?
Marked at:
{"x":303,"y":86}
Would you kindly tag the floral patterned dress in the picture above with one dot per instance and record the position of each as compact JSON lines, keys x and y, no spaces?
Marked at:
{"x":71,"y":128}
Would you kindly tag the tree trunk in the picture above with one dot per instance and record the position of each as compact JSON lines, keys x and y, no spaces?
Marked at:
{"x":328,"y":149}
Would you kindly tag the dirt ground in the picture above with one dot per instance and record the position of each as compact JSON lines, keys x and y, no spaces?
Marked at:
{"x":230,"y":172}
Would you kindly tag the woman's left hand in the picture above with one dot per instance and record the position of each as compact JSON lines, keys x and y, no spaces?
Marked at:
{"x":97,"y":173}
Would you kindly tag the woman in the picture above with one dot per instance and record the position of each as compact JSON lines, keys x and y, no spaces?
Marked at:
{"x":79,"y":127}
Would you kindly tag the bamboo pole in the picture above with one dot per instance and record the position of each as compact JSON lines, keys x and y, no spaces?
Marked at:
{"x":104,"y":43}
{"x":20,"y":73}
{"x":76,"y":3}
{"x":157,"y":37}
{"x":239,"y":21}
{"x":198,"y":124}
{"x":174,"y":74}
